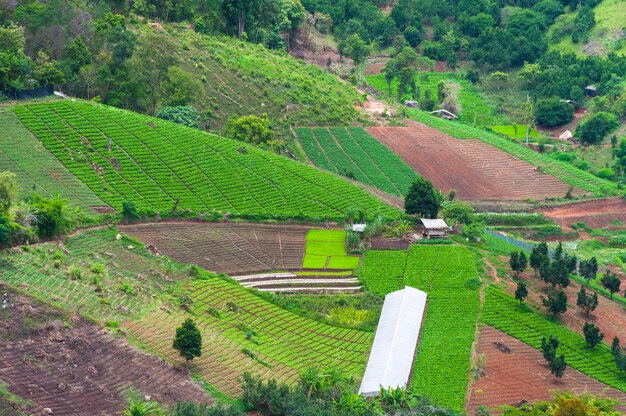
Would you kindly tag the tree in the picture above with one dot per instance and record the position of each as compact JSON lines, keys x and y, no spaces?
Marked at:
{"x":459,"y":213}
{"x":556,"y":302}
{"x":188,"y":341}
{"x":181,"y":87}
{"x":588,"y":269}
{"x":558,"y":366}
{"x":356,"y":48}
{"x":13,"y":61}
{"x":553,"y":112}
{"x":587,"y":302}
{"x":184,"y":114}
{"x":549,"y":347}
{"x":592,"y":334}
{"x":596,"y":127}
{"x":421,"y":200}
{"x":514,"y":261}
{"x":129,"y":211}
{"x":521,"y":292}
{"x":47,"y":72}
{"x":8,"y":190}
{"x":539,"y":256}
{"x":611,"y":282}
{"x":251,"y":129}
{"x":522,"y":262}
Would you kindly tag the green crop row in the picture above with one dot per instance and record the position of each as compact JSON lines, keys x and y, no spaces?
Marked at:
{"x":441,"y":369}
{"x":36,"y":169}
{"x":326,"y":249}
{"x":382,"y":271}
{"x":561,"y":170}
{"x":353,"y":152}
{"x":503,"y":312}
{"x":161,"y":166}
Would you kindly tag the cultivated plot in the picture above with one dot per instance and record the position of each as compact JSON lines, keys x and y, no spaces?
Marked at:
{"x":231,"y":248}
{"x":596,"y":214}
{"x":242,"y":332}
{"x":162,"y":166}
{"x":475,"y":169}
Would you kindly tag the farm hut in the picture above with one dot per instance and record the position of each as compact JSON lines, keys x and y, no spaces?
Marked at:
{"x":411,"y":104}
{"x":395,"y":342}
{"x":591,"y":90}
{"x":443,"y":113}
{"x":359,"y":228}
{"x":434,"y":228}
{"x":566,"y":135}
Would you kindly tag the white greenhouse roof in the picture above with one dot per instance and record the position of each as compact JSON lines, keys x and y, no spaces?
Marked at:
{"x":434,"y":224}
{"x":359,"y":228}
{"x":391,"y":359}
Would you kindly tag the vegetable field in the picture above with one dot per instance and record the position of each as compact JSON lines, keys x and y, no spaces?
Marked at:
{"x":561,"y":170}
{"x":382,"y":271}
{"x":242,"y":332}
{"x":352,"y":151}
{"x":441,"y":369}
{"x":36,"y":169}
{"x":325,"y":249}
{"x":161,"y":166}
{"x":503,"y":312}
{"x":107,"y":278}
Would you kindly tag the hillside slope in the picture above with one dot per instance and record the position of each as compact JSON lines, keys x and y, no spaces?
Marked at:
{"x":162,"y":166}
{"x":35,"y":168}
{"x":240,"y":78}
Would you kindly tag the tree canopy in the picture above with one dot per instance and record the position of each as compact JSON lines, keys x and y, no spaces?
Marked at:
{"x":421,"y":199}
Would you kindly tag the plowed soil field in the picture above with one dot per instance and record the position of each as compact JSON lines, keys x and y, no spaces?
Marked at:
{"x":80,"y":370}
{"x":596,"y":214}
{"x":516,"y":372}
{"x":231,"y":248}
{"x":475,"y":169}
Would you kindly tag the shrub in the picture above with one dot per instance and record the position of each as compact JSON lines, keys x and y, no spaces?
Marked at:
{"x":596,"y":127}
{"x":554,"y":112}
{"x":183,"y":114}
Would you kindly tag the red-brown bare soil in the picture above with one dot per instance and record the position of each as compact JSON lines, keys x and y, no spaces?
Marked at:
{"x":523,"y":375}
{"x":79,"y":369}
{"x":596,"y":214}
{"x":231,"y":248}
{"x":475,"y":169}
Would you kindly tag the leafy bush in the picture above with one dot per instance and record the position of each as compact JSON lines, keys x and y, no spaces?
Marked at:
{"x":184,"y":114}
{"x":554,"y":112}
{"x":595,"y":128}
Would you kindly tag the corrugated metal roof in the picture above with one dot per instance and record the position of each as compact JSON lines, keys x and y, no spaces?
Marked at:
{"x":433,"y":224}
{"x":391,"y":358}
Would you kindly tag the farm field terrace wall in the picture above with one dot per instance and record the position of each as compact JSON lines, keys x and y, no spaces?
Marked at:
{"x":242,"y":332}
{"x":353,"y":151}
{"x":475,"y":169}
{"x":36,"y":169}
{"x":160,"y":166}
{"x":561,"y":170}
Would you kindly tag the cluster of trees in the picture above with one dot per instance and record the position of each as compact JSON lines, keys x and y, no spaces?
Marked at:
{"x":33,"y":217}
{"x":557,"y":364}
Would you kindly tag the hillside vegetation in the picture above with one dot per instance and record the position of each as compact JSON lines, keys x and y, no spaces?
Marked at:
{"x":233,"y":78}
{"x":161,"y":166}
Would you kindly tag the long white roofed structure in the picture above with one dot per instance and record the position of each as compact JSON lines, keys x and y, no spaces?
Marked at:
{"x":391,"y":358}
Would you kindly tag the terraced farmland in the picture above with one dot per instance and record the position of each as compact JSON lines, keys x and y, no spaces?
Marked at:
{"x":161,"y":166}
{"x":475,"y":169}
{"x":242,"y":332}
{"x":326,"y":249}
{"x":77,"y":368}
{"x":561,"y":170}
{"x":36,"y":169}
{"x":382,"y":271}
{"x":231,"y":248}
{"x":107,"y":279}
{"x":352,"y":150}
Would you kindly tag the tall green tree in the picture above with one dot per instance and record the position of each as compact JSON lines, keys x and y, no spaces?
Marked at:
{"x":8,"y":190}
{"x":14,"y":64}
{"x":611,"y":282}
{"x":587,"y":301}
{"x":188,"y":341}
{"x":592,"y":333}
{"x":556,"y":302}
{"x":588,"y":269}
{"x":521,"y":292}
{"x":421,"y":199}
